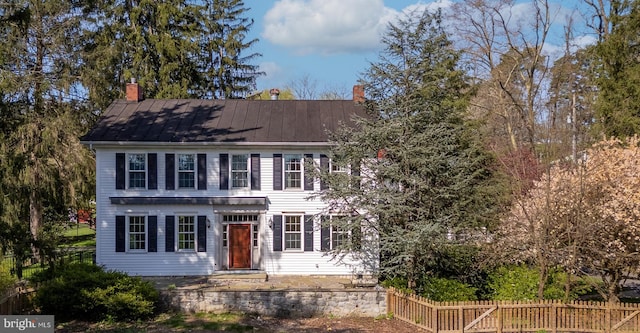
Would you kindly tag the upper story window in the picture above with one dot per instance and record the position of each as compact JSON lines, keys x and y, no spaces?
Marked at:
{"x":293,"y":171}
{"x":239,"y":171}
{"x":186,"y":170}
{"x":137,"y":233}
{"x":137,"y":169}
{"x":186,"y":233}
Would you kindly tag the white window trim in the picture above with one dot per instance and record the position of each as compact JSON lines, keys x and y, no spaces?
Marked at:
{"x":146,"y":171}
{"x":248,"y":160}
{"x":177,"y":171}
{"x":284,"y":232}
{"x":195,"y":232}
{"x":346,"y":169}
{"x":284,"y":172}
{"x":347,"y":233}
{"x":128,"y":234}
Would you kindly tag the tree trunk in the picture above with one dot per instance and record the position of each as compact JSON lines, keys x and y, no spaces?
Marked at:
{"x":35,"y":220}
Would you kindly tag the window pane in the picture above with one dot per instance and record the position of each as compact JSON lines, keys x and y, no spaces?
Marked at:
{"x":137,"y":167}
{"x":137,"y":162}
{"x":186,"y":162}
{"x":186,"y":233}
{"x":137,"y":233}
{"x":293,"y":232}
{"x":186,"y":180}
{"x":293,"y":171}
{"x":239,"y":171}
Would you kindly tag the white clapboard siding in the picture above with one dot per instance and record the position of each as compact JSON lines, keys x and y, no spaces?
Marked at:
{"x":203,"y":263}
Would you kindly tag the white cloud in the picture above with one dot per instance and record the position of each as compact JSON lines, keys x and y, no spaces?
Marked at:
{"x":327,"y":26}
{"x":273,"y":72}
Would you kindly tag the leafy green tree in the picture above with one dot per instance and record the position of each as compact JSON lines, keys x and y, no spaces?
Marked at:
{"x":425,"y":180}
{"x":224,"y":61}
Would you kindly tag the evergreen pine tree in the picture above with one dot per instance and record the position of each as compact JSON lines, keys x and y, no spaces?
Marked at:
{"x":618,"y":77}
{"x":225,"y":64}
{"x":425,"y":181}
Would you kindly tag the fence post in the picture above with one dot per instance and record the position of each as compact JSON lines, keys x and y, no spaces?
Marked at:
{"x":461,"y":318}
{"x":607,"y":318}
{"x":434,"y":318}
{"x":498,"y":317}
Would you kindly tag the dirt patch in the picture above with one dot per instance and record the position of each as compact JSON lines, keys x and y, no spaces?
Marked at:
{"x":251,"y":324}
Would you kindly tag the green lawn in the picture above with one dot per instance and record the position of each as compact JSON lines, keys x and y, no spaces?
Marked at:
{"x":79,"y":235}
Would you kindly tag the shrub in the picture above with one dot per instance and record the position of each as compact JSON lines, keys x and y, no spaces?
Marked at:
{"x":443,"y":289}
{"x":85,"y":291}
{"x":7,"y":281}
{"x":521,"y":283}
{"x":513,"y":283}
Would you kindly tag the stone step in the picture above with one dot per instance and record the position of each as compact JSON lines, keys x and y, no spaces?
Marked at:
{"x":230,"y":277}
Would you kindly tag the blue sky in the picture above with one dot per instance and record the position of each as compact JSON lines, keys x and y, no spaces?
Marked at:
{"x":330,"y":41}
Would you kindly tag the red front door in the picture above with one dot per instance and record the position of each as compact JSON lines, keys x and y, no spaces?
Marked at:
{"x":240,"y":246}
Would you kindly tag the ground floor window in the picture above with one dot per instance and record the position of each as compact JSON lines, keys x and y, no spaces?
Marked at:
{"x":137,"y":233}
{"x":186,"y":232}
{"x":293,"y":232}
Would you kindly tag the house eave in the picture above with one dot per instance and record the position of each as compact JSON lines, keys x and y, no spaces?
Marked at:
{"x":136,"y":144}
{"x":260,"y":202}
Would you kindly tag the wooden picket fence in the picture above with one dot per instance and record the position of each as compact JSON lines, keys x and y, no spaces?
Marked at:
{"x":18,"y":301}
{"x":511,"y":316}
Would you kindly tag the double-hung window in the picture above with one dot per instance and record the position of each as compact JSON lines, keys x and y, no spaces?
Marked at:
{"x":186,"y":171}
{"x":137,"y":170}
{"x":186,"y":233}
{"x":293,"y":232}
{"x":293,"y":171}
{"x":137,"y":233}
{"x":239,"y":171}
{"x":339,"y":237}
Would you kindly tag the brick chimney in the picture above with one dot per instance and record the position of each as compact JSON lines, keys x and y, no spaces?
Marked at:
{"x":358,"y":94}
{"x":134,"y":91}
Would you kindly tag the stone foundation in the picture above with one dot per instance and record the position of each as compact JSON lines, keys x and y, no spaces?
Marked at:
{"x":369,"y":302}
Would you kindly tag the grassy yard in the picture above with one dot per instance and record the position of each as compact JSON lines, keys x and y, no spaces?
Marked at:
{"x":79,"y":235}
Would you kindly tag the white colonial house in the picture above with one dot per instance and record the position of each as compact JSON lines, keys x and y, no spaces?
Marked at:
{"x":197,"y":187}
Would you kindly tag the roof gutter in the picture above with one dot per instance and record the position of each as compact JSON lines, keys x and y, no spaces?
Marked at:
{"x":115,"y":144}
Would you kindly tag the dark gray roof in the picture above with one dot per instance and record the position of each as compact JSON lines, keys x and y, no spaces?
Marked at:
{"x":222,"y":121}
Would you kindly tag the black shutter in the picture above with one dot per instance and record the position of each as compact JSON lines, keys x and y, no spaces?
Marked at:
{"x":169,"y":234}
{"x":152,"y":174}
{"x":325,"y":233}
{"x":120,"y":171}
{"x":255,"y":172}
{"x":120,"y":233}
{"x":202,"y":233}
{"x":277,"y":233}
{"x":308,"y":232}
{"x":277,"y":172}
{"x":324,"y":168}
{"x":355,"y":174}
{"x":153,"y":233}
{"x":202,"y":171}
{"x":170,"y":171}
{"x":224,"y":171}
{"x":308,"y":174}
